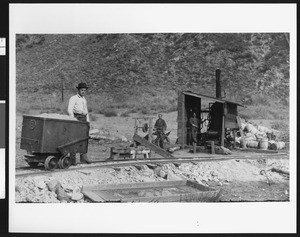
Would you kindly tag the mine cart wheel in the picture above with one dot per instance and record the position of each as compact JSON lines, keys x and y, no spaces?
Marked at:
{"x":65,"y":162}
{"x":51,"y":163}
{"x":33,"y":164}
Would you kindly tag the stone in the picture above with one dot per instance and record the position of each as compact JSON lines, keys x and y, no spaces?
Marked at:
{"x":214,"y":173}
{"x":173,"y":177}
{"x":117,"y":168}
{"x":162,"y":174}
{"x":86,"y":172}
{"x":30,"y":198}
{"x":52,"y":185}
{"x":152,"y":166}
{"x":18,"y":198}
{"x":78,"y":189}
{"x":94,"y":131}
{"x":18,"y":188}
{"x":76,"y":196}
{"x":41,"y":185}
{"x":61,"y":194}
{"x":148,"y":173}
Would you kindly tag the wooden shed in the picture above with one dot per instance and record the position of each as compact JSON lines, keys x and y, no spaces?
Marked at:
{"x":220,"y":114}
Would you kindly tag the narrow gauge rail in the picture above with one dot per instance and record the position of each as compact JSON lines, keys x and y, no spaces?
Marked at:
{"x":112,"y":164}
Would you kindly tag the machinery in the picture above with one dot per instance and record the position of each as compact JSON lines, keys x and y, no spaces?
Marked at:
{"x":50,"y":140}
{"x":150,"y":137}
{"x":220,"y":114}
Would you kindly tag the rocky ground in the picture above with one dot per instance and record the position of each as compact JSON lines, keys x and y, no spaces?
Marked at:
{"x":244,"y":176}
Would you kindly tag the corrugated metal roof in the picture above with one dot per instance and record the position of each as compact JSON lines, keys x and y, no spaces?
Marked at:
{"x":210,"y":98}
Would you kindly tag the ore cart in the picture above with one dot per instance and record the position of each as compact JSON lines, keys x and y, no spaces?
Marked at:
{"x":50,"y":140}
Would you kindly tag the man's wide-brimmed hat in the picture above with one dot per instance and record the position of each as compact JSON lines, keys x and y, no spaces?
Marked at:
{"x":82,"y":85}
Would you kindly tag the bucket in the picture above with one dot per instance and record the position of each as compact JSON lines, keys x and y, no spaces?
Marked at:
{"x":280,"y":145}
{"x":252,"y":144}
{"x":263,"y":144}
{"x":277,"y":145}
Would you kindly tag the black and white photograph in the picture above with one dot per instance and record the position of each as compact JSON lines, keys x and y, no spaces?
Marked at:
{"x":147,"y":119}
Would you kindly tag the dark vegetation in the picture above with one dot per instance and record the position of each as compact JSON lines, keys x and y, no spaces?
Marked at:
{"x":143,"y":72}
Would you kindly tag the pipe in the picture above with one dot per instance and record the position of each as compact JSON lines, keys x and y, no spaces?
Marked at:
{"x":218,"y":84}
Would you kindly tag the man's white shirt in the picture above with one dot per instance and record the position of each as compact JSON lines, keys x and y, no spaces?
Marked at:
{"x":78,"y":105}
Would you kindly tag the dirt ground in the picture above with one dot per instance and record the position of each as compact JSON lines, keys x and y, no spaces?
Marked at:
{"x":239,"y":180}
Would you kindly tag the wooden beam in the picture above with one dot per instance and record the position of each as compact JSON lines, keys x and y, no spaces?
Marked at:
{"x":151,"y":146}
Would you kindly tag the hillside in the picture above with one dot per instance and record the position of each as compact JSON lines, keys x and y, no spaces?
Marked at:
{"x":138,"y":64}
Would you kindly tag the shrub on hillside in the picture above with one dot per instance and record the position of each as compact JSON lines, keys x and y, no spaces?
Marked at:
{"x":133,"y":110}
{"x":279,"y":125}
{"x":25,"y":108}
{"x":145,"y":111}
{"x":263,"y":112}
{"x":172,"y":108}
{"x":125,"y":114}
{"x":92,"y":117}
{"x":110,"y":112}
{"x":28,"y":41}
{"x":260,"y":99}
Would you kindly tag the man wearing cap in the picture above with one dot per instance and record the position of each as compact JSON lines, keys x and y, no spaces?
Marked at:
{"x":195,"y":124}
{"x":77,"y":108}
{"x":77,"y":104}
{"x":160,"y":129}
{"x":160,"y":124}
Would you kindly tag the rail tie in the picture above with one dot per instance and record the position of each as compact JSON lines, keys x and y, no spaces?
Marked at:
{"x":177,"y":161}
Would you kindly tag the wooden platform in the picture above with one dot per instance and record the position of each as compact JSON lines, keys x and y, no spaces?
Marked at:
{"x":165,"y":191}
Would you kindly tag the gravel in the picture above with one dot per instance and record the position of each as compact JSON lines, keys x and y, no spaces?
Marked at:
{"x":45,"y":189}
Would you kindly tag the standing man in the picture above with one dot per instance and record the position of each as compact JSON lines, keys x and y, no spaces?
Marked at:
{"x":77,"y":108}
{"x":194,"y":122}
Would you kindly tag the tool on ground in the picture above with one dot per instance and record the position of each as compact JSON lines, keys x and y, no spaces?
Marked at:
{"x":263,"y":172}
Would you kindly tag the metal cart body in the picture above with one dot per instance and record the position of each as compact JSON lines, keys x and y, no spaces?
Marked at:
{"x":50,"y":140}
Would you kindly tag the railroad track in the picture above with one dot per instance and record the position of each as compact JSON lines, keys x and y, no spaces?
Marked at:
{"x":155,"y":161}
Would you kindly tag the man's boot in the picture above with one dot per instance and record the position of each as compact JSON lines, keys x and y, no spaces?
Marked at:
{"x":84,"y":159}
{"x":73,"y":158}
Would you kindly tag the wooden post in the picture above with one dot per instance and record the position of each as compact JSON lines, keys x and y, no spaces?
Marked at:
{"x":223,"y":127}
{"x":238,"y":119}
{"x":62,"y":89}
{"x":181,"y":126}
{"x":135,"y":131}
{"x":234,"y":136}
{"x":212,"y":144}
{"x":150,"y":139}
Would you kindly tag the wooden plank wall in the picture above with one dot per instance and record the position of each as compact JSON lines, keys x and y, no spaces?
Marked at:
{"x":181,"y":119}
